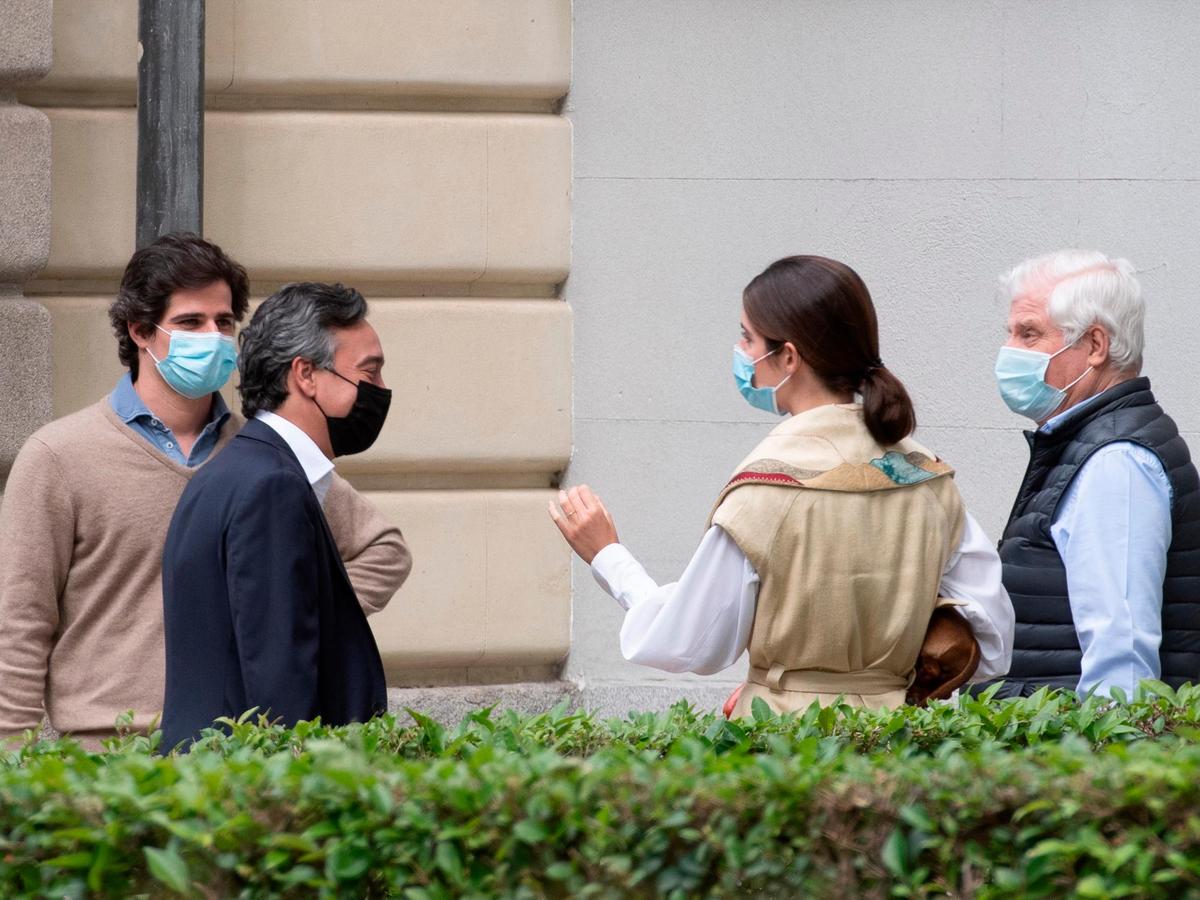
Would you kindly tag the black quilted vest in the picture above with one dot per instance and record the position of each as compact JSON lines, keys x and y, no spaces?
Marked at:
{"x":1046,"y":648}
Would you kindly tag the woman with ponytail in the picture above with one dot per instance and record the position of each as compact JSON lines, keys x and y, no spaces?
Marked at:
{"x":837,"y":538}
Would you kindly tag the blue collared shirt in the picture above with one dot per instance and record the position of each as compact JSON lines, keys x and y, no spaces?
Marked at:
{"x":1112,"y":530}
{"x":126,"y":403}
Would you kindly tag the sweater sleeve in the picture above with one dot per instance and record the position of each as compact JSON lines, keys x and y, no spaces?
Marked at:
{"x":373,"y":549}
{"x":37,"y":534}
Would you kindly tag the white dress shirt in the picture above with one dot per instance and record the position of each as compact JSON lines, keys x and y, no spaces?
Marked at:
{"x":702,"y":622}
{"x":318,"y":468}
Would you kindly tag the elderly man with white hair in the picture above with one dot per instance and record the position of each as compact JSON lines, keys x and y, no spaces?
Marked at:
{"x":1101,"y":552}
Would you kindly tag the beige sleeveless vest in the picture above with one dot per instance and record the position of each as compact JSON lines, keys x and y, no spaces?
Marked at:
{"x":850,"y":540}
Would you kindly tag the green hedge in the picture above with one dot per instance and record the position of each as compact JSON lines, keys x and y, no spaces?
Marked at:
{"x":1034,"y":798}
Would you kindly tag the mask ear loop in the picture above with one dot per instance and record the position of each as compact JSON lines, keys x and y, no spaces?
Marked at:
{"x":341,"y":376}
{"x":158,"y":361}
{"x":1077,"y":380}
{"x":1083,"y":374}
{"x":775,"y":390}
{"x":786,"y":377}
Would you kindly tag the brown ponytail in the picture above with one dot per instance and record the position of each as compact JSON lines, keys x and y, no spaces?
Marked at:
{"x":824,"y":310}
{"x":887,"y":409}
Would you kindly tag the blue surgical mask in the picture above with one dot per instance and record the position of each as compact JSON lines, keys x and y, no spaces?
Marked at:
{"x":743,"y":373}
{"x":197,"y":362}
{"x":1021,"y":376}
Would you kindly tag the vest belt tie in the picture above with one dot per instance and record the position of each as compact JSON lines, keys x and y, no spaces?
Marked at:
{"x":866,"y":682}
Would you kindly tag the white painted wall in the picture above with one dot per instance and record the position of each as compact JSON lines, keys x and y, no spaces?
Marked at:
{"x":930,"y":145}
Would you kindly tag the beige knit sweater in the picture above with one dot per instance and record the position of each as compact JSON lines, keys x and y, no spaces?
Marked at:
{"x":82,"y":526}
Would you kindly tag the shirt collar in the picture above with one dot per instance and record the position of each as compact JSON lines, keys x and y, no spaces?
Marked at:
{"x":1052,"y":423}
{"x":128,"y":404}
{"x":316,"y":464}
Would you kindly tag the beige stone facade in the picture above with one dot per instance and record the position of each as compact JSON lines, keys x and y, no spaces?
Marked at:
{"x":25,"y":56}
{"x":414,"y":150}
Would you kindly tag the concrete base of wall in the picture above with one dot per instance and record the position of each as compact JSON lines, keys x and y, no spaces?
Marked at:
{"x":449,"y":705}
{"x":618,"y":700}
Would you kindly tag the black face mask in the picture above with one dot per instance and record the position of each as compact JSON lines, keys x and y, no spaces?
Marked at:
{"x":358,"y":429}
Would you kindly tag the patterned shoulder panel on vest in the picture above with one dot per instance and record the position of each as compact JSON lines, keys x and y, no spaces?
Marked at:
{"x":908,"y":468}
{"x":888,"y":472}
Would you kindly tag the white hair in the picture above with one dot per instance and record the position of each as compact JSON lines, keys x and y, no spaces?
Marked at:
{"x":1084,"y":288}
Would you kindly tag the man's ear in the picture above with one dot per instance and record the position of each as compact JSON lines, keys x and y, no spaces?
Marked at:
{"x":300,"y":377}
{"x":1098,"y":345}
{"x":140,"y":334}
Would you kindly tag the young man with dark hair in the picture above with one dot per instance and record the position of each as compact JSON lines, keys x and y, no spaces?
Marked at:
{"x":90,"y":496}
{"x":251,"y":575}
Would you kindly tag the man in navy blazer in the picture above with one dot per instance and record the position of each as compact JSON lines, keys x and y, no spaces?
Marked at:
{"x":259,"y":612}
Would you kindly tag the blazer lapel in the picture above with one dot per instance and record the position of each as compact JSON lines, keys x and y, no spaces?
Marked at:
{"x":255,"y":430}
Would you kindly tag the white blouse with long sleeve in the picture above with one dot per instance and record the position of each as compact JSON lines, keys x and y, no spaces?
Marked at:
{"x":702,"y":622}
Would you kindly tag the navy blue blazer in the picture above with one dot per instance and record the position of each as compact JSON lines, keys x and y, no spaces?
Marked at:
{"x":258,"y":608}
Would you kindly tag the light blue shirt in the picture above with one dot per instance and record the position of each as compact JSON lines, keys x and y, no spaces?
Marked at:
{"x":1112,"y":530}
{"x":129,"y":407}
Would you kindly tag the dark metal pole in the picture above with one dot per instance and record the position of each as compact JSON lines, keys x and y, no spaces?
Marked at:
{"x":170,"y":165}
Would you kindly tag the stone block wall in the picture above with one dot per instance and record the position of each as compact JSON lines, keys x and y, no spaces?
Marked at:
{"x":414,"y":150}
{"x":25,"y":55}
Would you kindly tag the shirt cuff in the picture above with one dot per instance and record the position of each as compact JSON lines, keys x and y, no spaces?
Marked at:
{"x":992,"y":661}
{"x":610,"y":568}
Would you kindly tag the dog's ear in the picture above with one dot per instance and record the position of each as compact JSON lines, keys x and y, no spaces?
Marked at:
{"x":949,"y":650}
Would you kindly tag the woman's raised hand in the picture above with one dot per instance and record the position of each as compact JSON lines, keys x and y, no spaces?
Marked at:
{"x":583,"y":521}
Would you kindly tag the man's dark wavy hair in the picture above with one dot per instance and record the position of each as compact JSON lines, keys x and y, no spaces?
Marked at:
{"x":174,"y":262}
{"x":298,"y":320}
